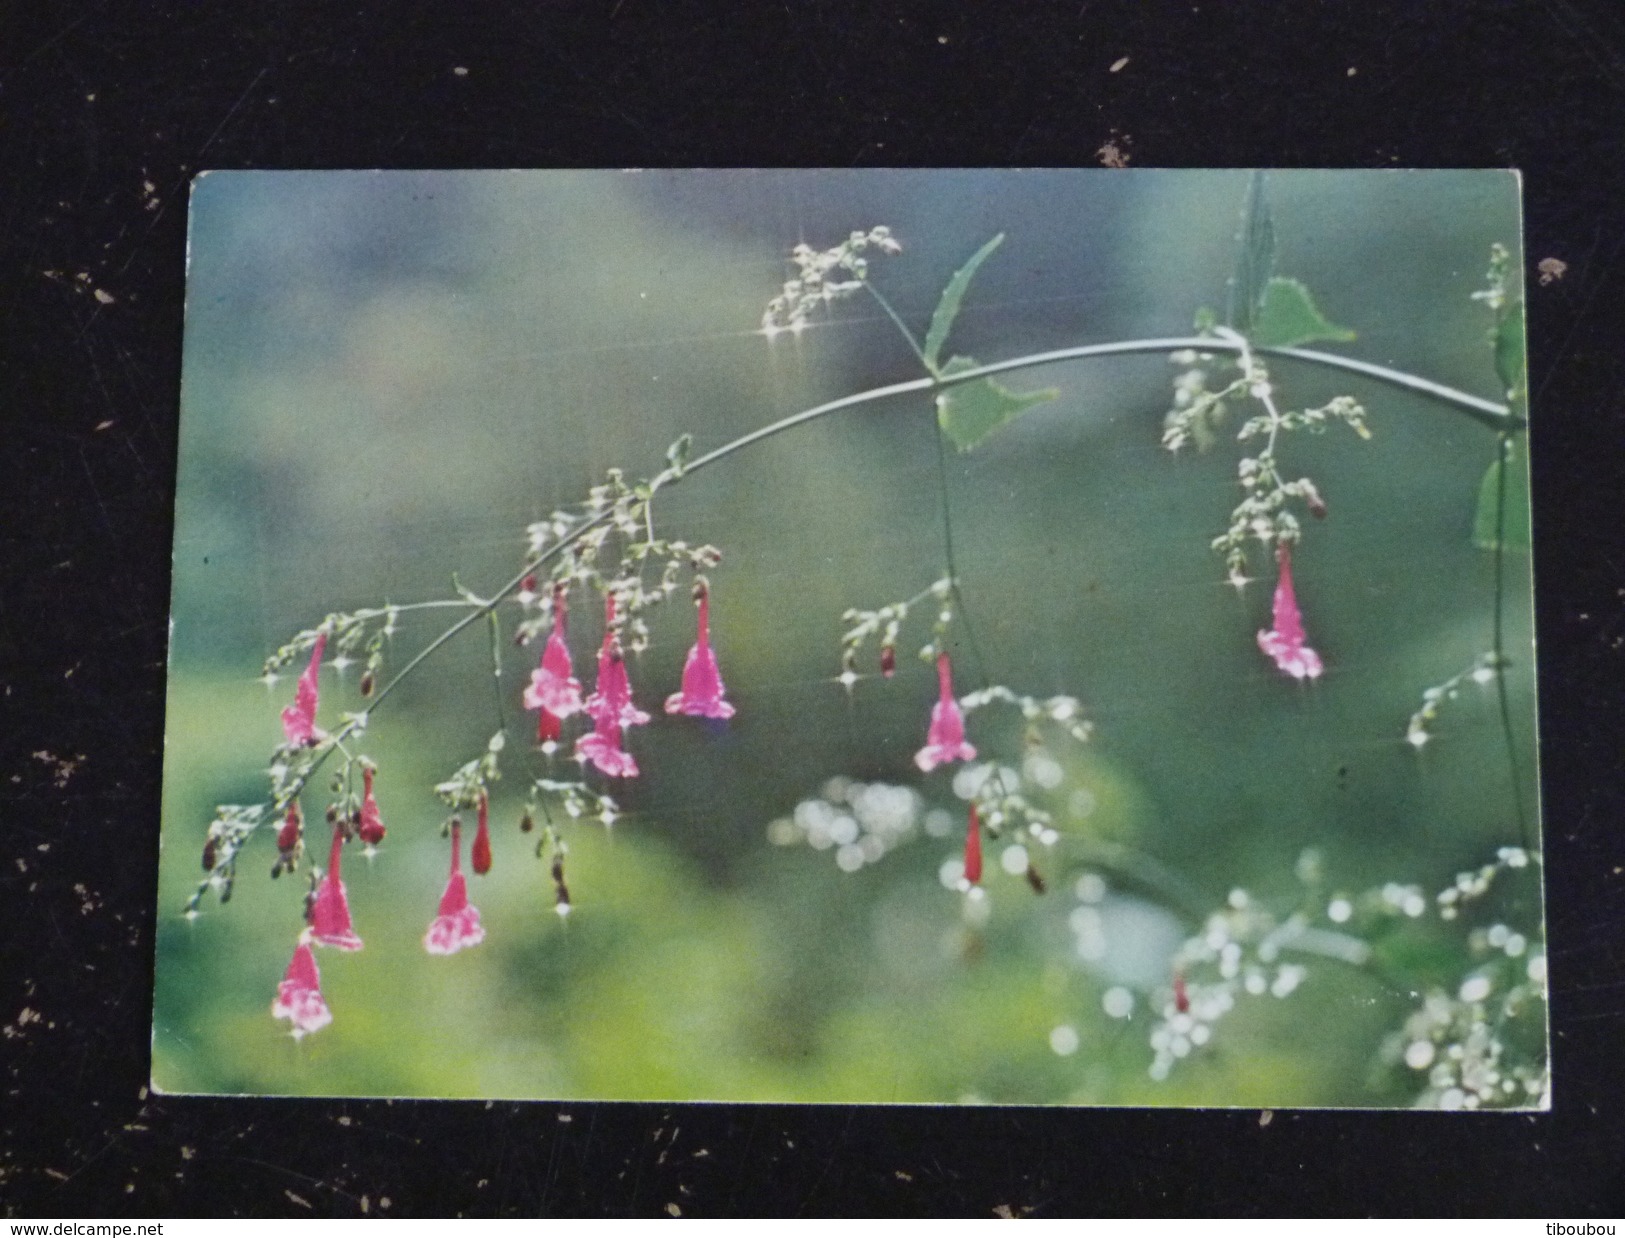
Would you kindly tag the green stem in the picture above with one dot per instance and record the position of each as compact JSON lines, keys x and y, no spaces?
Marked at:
{"x":901,"y":326}
{"x":1503,"y":449}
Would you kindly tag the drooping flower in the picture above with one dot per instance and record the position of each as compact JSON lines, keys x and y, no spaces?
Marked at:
{"x":458,"y":923}
{"x":973,"y":846}
{"x":299,"y":996}
{"x":371,"y":828}
{"x":702,"y":694}
{"x":603,"y":748}
{"x":945,"y":740}
{"x":1285,"y":641}
{"x":611,"y":708}
{"x":299,"y":719}
{"x":612,"y":697}
{"x":330,"y":909}
{"x":554,"y":690}
{"x":479,"y":854}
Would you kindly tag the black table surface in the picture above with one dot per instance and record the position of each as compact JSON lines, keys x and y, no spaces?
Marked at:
{"x":107,"y":110}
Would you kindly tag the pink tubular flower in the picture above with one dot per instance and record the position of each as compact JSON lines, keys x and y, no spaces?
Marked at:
{"x":702,"y":693}
{"x":299,"y":719}
{"x":1285,"y":641}
{"x":945,"y":741}
{"x":603,"y":748}
{"x":458,"y":924}
{"x":554,"y":689}
{"x":330,"y":910}
{"x":613,"y":697}
{"x":299,"y":996}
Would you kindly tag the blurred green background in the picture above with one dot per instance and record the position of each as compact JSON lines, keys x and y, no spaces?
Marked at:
{"x":388,"y":375}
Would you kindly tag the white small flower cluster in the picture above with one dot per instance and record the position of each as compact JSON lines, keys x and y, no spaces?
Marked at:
{"x":1197,"y":411}
{"x":1464,"y":1045}
{"x":1004,"y":808}
{"x":1475,"y":884}
{"x":819,"y":279}
{"x":861,"y":821}
{"x":1064,"y":711}
{"x":1482,"y":671}
{"x":1238,"y":953}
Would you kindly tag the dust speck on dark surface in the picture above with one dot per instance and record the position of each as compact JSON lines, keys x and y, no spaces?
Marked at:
{"x":107,"y":112}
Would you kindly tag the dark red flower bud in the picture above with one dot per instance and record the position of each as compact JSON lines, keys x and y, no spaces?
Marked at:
{"x":1182,"y":997}
{"x":366,"y":683}
{"x":528,"y":584}
{"x":208,"y":856}
{"x":561,"y":892}
{"x":888,"y":661}
{"x":1036,"y":879}
{"x":369,"y":824}
{"x":973,"y":847}
{"x":527,"y":823}
{"x":287,"y":838}
{"x":480,"y":856}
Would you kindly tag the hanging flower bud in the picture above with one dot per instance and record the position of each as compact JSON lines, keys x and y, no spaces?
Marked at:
{"x":527,"y":823}
{"x":528,"y":584}
{"x":208,"y":854}
{"x":288,"y":837}
{"x":1182,"y":997}
{"x":888,"y":660}
{"x":561,"y":892}
{"x":371,"y":825}
{"x":1035,"y":879}
{"x":366,"y":683}
{"x":480,"y":854}
{"x":1312,"y":500}
{"x":702,"y":694}
{"x":299,"y":719}
{"x":973,"y":846}
{"x":945,"y":739}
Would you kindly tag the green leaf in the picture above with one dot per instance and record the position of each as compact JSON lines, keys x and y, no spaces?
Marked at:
{"x":1287,"y":317}
{"x":1516,"y":517}
{"x":1255,"y":258}
{"x":970,"y":412}
{"x":1509,"y":352}
{"x":942,"y":321}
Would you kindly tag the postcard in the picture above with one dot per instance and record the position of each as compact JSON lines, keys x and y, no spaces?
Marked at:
{"x":1041,"y":637}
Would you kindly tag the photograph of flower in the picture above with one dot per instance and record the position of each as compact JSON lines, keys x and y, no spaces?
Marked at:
{"x":1042,"y":637}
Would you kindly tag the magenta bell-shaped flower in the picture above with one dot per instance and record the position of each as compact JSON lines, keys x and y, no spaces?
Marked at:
{"x":945,"y":741}
{"x":1285,"y":641}
{"x":703,"y":693}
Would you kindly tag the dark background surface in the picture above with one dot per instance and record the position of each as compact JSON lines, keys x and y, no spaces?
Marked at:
{"x":105,"y":113}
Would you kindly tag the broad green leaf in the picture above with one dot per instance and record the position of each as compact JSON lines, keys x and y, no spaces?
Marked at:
{"x":942,"y":321}
{"x":1255,"y":258}
{"x":1509,"y":352}
{"x":1516,"y":518}
{"x":1287,"y":317}
{"x":970,"y":412}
